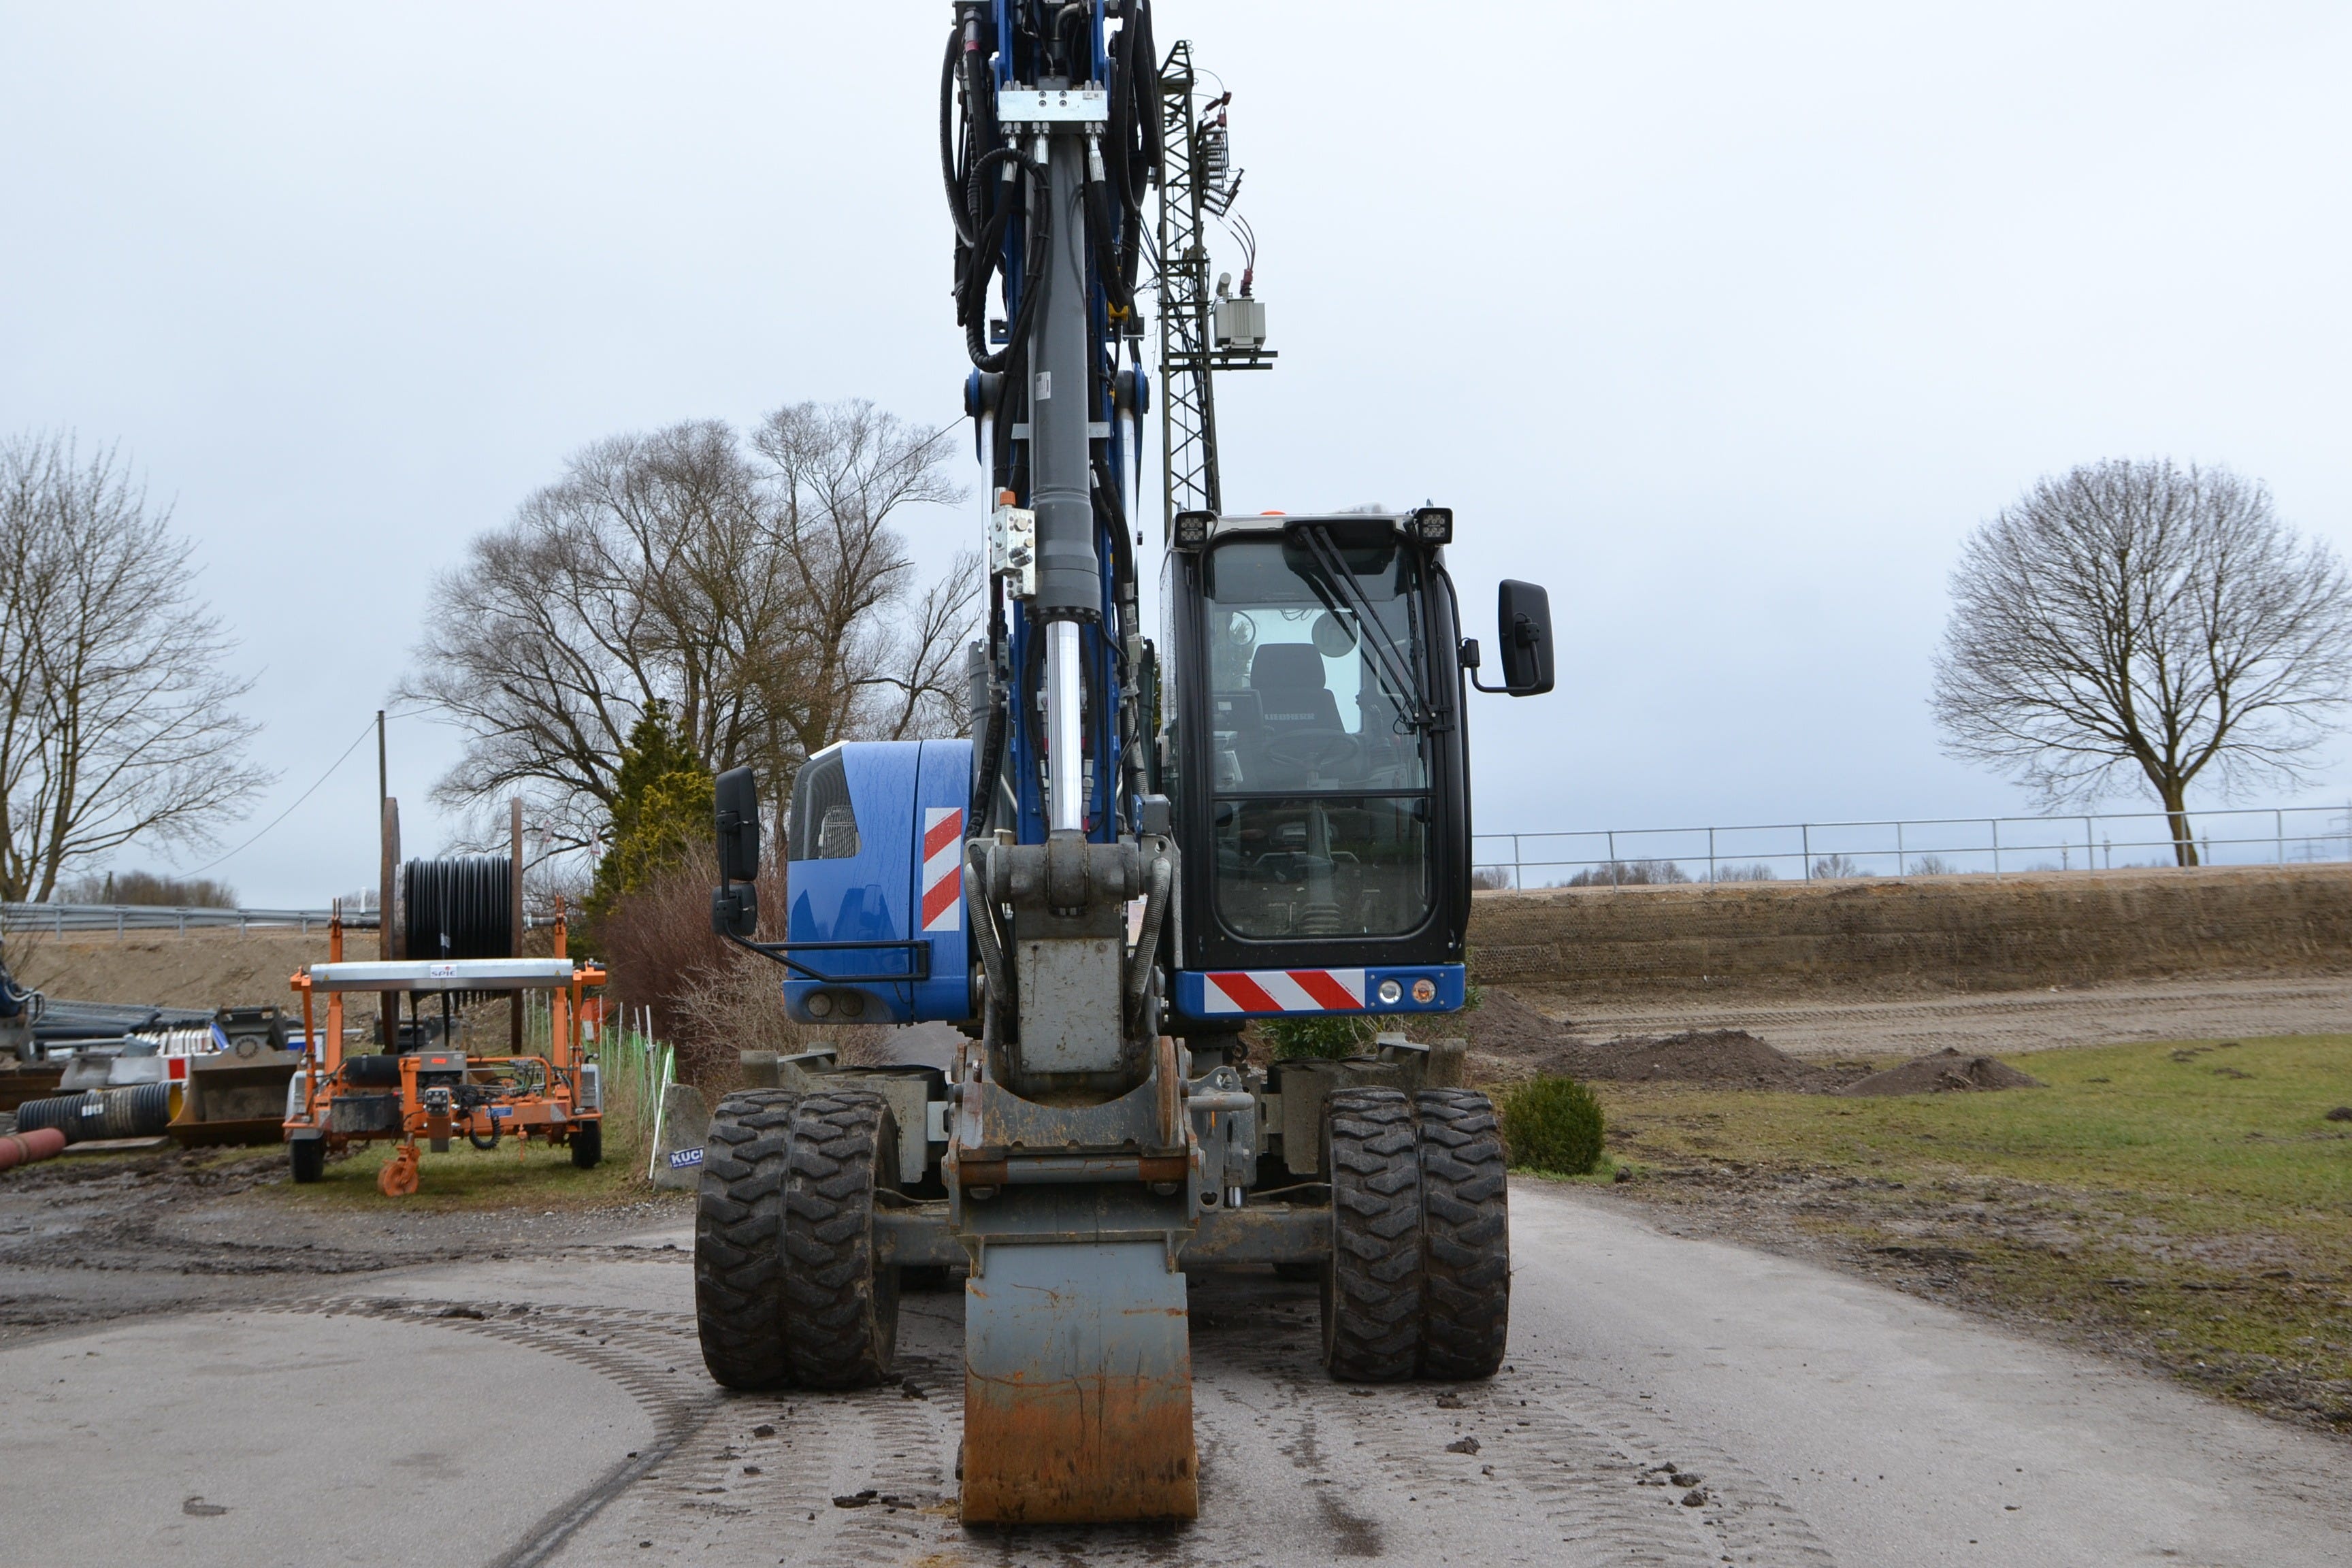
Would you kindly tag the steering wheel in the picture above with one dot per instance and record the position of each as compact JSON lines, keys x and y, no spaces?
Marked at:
{"x":1316,"y":751}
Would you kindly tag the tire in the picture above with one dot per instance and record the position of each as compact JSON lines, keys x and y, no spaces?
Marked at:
{"x":841,"y":1312}
{"x":1465,"y":1235}
{"x":308,"y":1158}
{"x":1371,"y":1288}
{"x":739,"y":1239}
{"x":587,"y":1145}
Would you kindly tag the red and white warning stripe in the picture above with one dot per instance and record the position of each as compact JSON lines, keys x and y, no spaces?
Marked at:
{"x":943,"y":869}
{"x":1283,"y":991}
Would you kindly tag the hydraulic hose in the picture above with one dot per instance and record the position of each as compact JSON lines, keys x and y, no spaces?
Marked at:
{"x":949,"y":152}
{"x":992,"y":763}
{"x":1116,"y":286}
{"x":1147,"y":940}
{"x":987,"y":257}
{"x":984,"y":925}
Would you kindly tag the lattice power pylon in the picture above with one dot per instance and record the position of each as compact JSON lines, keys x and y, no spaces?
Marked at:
{"x":1197,"y":183}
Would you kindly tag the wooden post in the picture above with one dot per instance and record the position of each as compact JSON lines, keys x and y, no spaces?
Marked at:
{"x":387,"y":922}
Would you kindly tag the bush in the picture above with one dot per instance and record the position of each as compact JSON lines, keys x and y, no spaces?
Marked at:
{"x":150,"y":888}
{"x":1628,"y":874}
{"x":1346,"y":1036}
{"x":1552,"y":1125}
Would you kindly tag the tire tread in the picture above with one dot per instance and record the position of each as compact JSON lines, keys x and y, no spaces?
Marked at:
{"x":1465,"y":1235}
{"x":739,"y":1244}
{"x":1373,"y":1288}
{"x":841,"y":1312}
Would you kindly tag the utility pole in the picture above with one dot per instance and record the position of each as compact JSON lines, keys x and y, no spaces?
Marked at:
{"x":382,"y":779}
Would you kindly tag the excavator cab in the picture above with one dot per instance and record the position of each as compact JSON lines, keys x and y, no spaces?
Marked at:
{"x":1315,"y":755}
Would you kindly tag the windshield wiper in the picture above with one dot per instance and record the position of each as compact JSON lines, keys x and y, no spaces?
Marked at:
{"x":1396,"y":666}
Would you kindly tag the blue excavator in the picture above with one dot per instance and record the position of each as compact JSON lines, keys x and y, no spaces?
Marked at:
{"x":1146,"y":846}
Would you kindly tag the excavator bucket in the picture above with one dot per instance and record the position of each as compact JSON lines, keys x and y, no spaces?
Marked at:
{"x":1077,"y":1405}
{"x":237,"y":1096}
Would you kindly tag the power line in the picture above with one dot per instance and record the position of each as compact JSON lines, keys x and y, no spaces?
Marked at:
{"x":306,"y":795}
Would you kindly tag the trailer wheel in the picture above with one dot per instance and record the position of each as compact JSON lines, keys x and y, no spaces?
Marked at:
{"x":1465,"y":1235}
{"x":739,"y":1238}
{"x":307,"y":1156}
{"x":587,"y":1145}
{"x":841,"y":1312}
{"x":1372,"y":1287}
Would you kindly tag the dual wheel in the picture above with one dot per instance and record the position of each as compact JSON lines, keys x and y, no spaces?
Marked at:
{"x":1419,"y":1284}
{"x":786,"y":1292}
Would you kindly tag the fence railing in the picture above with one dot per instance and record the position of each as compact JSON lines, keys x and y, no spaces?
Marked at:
{"x":1990,"y":845}
{"x":62,"y":918}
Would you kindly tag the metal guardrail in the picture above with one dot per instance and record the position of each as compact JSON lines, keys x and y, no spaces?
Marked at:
{"x":1826,"y":851}
{"x":62,"y":920}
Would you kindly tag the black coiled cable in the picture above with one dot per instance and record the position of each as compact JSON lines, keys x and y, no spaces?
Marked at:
{"x":461,"y":907}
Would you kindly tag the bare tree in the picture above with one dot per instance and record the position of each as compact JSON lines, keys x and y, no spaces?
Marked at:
{"x":2136,"y":618}
{"x":839,"y":472}
{"x":765,"y":597}
{"x":115,"y":713}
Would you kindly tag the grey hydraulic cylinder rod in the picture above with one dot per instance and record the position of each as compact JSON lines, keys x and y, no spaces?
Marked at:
{"x":1069,"y":581}
{"x":1069,"y":584}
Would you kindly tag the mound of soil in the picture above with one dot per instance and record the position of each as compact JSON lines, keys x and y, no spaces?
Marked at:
{"x":1944,"y":1072}
{"x":1723,"y":1059}
{"x":1502,"y":1026}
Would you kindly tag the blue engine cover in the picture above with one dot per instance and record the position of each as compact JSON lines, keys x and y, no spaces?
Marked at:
{"x":904,"y":880}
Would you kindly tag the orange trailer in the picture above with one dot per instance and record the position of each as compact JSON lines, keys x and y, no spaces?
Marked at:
{"x":338,"y":1099}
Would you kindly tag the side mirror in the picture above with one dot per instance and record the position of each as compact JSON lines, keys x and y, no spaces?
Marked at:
{"x":1523,"y":612}
{"x":738,"y":801}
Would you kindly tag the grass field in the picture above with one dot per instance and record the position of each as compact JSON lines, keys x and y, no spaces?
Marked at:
{"x":466,"y":1178}
{"x":513,"y":1175}
{"x":2190,"y":1202}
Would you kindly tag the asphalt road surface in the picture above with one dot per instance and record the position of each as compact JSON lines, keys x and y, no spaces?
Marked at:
{"x":553,"y":1409}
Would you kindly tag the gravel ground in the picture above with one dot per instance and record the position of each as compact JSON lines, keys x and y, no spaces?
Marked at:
{"x":84,"y":1239}
{"x":2001,"y":1023}
{"x":1668,"y":1400}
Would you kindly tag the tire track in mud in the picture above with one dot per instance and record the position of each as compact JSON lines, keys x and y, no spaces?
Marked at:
{"x":2000,"y":1023}
{"x":756,"y":1479}
{"x":1295,"y":1469}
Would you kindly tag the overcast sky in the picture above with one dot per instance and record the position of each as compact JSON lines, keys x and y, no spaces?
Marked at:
{"x":1726,"y":321}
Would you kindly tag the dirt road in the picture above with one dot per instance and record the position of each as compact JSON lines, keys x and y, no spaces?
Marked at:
{"x":550,"y":1406}
{"x":1994,"y":1022}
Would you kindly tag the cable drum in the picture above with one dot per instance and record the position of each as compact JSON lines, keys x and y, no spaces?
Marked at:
{"x":457,"y":908}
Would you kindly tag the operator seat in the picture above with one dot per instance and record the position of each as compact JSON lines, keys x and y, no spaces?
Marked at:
{"x":1288,"y":679}
{"x":1292,"y":700}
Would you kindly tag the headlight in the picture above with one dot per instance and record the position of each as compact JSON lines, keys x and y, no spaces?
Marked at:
{"x":1391,"y":992}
